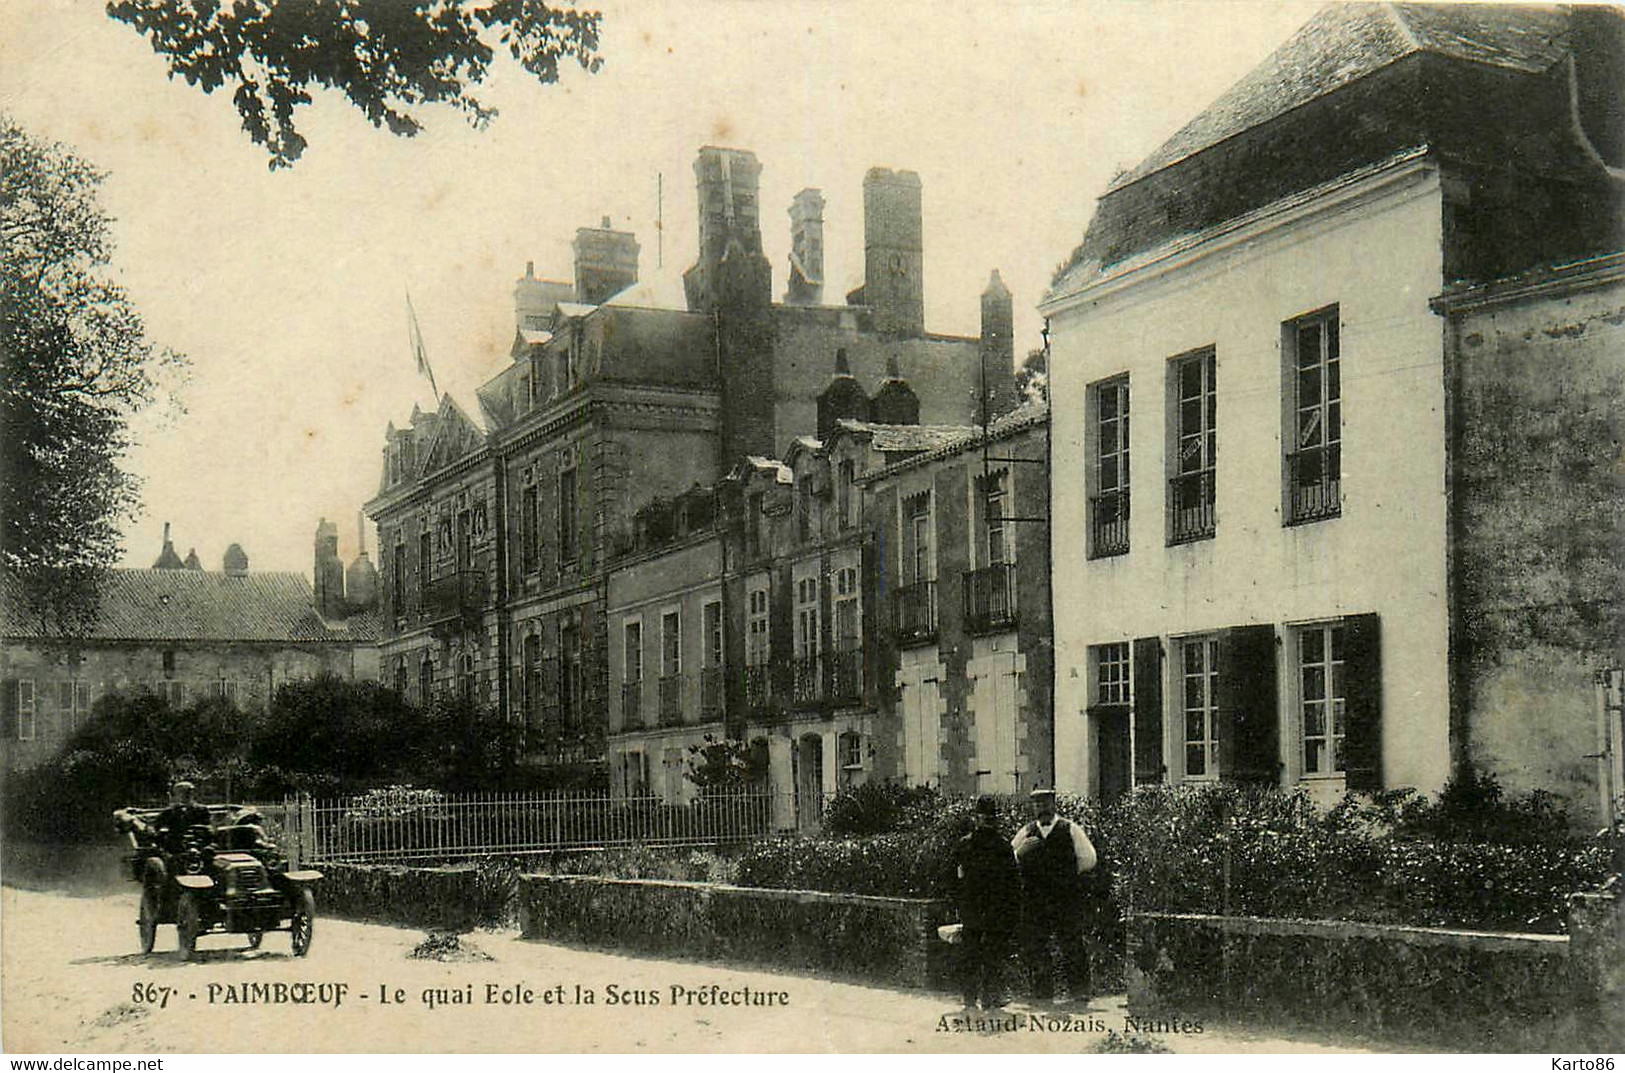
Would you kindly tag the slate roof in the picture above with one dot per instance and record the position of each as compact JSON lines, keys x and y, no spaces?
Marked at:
{"x":890,"y":438}
{"x":198,"y":605}
{"x":1347,"y":41}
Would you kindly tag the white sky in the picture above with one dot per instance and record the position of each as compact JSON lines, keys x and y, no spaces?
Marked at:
{"x":286,"y":289}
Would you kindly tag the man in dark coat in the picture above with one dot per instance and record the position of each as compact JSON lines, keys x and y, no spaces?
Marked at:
{"x":183,"y":813}
{"x":1053,"y":852}
{"x":989,"y":900}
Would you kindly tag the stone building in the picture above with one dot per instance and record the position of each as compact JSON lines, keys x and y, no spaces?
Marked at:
{"x":1305,"y":275}
{"x":495,"y":530}
{"x":873,"y":607}
{"x":182,"y":632}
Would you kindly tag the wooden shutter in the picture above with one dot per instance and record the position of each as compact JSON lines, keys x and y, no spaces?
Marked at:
{"x":1362,"y":704}
{"x":8,"y":709}
{"x":1249,"y":712}
{"x":1148,"y":764}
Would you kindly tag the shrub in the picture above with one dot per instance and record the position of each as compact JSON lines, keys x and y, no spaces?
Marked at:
{"x":876,"y":808}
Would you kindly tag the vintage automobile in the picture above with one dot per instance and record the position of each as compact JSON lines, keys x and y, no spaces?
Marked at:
{"x":222,"y":876}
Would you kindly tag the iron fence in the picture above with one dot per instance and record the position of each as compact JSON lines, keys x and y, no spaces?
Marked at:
{"x":403,"y":825}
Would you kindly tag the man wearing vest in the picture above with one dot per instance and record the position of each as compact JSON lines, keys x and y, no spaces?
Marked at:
{"x":1053,"y":852}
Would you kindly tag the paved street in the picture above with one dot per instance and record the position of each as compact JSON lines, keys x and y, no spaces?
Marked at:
{"x":71,"y":976}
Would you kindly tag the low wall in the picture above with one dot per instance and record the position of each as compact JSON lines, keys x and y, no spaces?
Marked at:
{"x":887,"y":940}
{"x":451,"y":898}
{"x":1462,"y":989}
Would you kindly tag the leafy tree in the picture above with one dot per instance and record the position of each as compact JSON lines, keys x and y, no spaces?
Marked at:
{"x":718,"y":763}
{"x":358,"y":731}
{"x":77,"y":364}
{"x":386,"y":56}
{"x":1032,"y":378}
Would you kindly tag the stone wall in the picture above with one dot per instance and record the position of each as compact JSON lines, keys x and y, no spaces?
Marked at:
{"x":886,"y":940}
{"x":1486,"y":991}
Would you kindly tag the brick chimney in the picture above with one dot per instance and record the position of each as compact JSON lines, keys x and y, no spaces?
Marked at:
{"x":534,"y":299}
{"x":806,"y":285}
{"x":606,"y":262}
{"x":893,"y":251}
{"x":328,"y":574}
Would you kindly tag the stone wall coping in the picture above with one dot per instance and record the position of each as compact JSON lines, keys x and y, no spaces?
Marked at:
{"x":880,"y":901}
{"x":1346,"y":929}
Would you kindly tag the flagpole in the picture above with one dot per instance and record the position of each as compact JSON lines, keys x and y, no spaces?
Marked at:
{"x":420,"y":353}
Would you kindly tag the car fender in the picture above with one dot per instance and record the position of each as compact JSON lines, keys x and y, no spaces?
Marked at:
{"x":304,"y":875}
{"x":195,"y":882}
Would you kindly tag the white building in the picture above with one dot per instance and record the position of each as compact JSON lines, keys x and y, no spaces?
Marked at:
{"x":1253,"y":477}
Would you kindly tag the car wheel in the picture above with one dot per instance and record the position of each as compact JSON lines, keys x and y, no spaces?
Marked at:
{"x":188,"y":923}
{"x":147,"y":922}
{"x":255,"y":938}
{"x":304,"y":921}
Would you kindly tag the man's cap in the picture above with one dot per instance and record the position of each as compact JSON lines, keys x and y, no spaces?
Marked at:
{"x":184,"y":785}
{"x":1042,"y":792}
{"x":986,"y":806}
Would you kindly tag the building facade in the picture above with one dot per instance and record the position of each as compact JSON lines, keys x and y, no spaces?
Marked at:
{"x":1290,"y":610}
{"x":183,"y":633}
{"x":497,"y":533}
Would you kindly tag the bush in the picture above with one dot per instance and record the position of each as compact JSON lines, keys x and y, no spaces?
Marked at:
{"x":876,"y":808}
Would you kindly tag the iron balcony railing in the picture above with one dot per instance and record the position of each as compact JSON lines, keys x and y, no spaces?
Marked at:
{"x":990,"y":598}
{"x":459,"y":595}
{"x":1190,"y":507}
{"x":805,"y":675}
{"x":846,"y":674}
{"x":671,"y":700}
{"x":1108,"y":523}
{"x":711,"y":693}
{"x":758,"y":686}
{"x":916,"y":607}
{"x":1315,"y":483}
{"x":632,"y":704}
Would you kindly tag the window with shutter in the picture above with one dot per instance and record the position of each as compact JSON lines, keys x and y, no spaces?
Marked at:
{"x":1248,"y":713}
{"x":1148,"y":762}
{"x":1362,"y":702}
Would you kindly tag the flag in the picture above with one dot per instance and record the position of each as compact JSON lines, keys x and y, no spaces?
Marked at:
{"x":419,"y":353}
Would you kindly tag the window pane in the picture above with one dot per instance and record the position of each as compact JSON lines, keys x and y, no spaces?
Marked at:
{"x":1314,"y":720}
{"x":1195,"y":730}
{"x":1309,"y":387}
{"x":1108,"y":402}
{"x":1193,"y":658}
{"x":1334,"y":422}
{"x":1314,"y":756}
{"x":1337,"y":642}
{"x":1195,"y":760}
{"x":1108,"y":474}
{"x":1337,"y":718}
{"x":1190,"y":379}
{"x":1190,"y":416}
{"x":1331,"y":337}
{"x":1312,"y":644}
{"x":1334,"y":380}
{"x":1193,"y":693}
{"x":1314,"y":683}
{"x":1308,"y":345}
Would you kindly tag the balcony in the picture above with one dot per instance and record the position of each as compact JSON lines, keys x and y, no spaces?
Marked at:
{"x":916,"y":613}
{"x":1190,"y":507}
{"x":671,"y":700}
{"x":711,"y":703}
{"x":632,"y":705}
{"x":457,"y":597}
{"x":990,"y":598}
{"x":1108,"y":524}
{"x":1314,"y":483}
{"x":846,"y":675}
{"x":806,"y":674}
{"x":758,"y":687}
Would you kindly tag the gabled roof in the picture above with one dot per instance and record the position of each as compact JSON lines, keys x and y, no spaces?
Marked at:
{"x":1347,"y":41}
{"x":455,"y":436}
{"x":199,"y":605}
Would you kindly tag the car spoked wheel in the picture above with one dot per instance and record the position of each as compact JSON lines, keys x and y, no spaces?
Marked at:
{"x":255,"y":938}
{"x":188,"y":923}
{"x":303,"y":926}
{"x":147,"y":922}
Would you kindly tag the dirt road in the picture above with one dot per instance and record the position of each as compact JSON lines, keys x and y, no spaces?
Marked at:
{"x":73,"y":983}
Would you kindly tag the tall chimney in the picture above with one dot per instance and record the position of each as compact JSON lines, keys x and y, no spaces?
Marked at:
{"x":534,"y":299}
{"x":806,"y":285}
{"x":893,"y":251}
{"x":728,"y":181}
{"x":328,"y":574}
{"x":998,"y":353}
{"x":606,"y":262}
{"x":732,"y":280}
